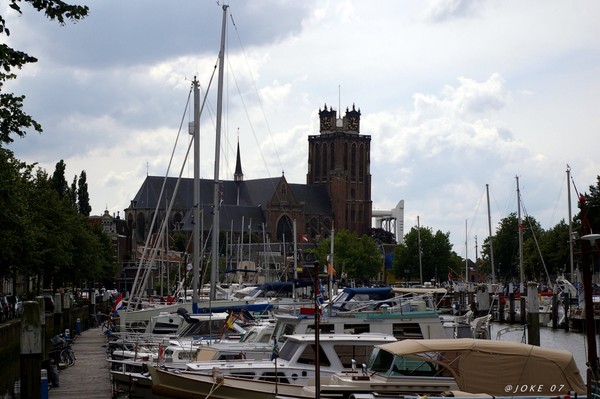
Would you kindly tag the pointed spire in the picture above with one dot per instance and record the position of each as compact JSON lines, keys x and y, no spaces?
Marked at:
{"x":238,"y":175}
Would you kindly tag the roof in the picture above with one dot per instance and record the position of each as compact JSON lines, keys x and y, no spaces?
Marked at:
{"x":490,"y":366}
{"x":247,"y":198}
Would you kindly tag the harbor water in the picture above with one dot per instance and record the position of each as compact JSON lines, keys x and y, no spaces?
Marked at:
{"x":574,"y":342}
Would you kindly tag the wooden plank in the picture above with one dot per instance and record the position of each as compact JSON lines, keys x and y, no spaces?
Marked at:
{"x":89,"y":378}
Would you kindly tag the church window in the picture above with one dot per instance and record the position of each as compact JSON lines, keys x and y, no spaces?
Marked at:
{"x":361,"y":164}
{"x":317,"y":163}
{"x":345,"y":157}
{"x":325,"y":164}
{"x":353,"y":162}
{"x":284,"y":228}
{"x":332,"y":157}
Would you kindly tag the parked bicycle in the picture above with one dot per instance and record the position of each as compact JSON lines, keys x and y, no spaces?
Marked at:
{"x":62,"y":351}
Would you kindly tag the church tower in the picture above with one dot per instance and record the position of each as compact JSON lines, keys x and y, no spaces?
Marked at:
{"x":339,"y":159}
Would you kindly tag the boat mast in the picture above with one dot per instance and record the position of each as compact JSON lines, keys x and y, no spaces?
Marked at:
{"x":520,"y":229}
{"x":466,"y":252}
{"x":196,"y":210}
{"x":487,"y":190}
{"x":570,"y":221}
{"x":419,"y":247}
{"x":216,"y":203}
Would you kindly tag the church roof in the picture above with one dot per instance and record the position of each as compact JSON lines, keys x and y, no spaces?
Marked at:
{"x":254,"y":198}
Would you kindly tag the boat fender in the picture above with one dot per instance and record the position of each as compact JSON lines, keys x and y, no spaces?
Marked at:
{"x":217,"y":375}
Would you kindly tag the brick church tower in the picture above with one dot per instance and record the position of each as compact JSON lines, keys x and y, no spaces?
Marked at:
{"x":339,"y":159}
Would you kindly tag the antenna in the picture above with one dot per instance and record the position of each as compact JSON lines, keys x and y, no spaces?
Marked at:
{"x":340,"y":98}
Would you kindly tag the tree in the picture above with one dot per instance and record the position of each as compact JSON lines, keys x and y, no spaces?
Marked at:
{"x":382,"y":236}
{"x":15,"y":218}
{"x":506,"y":248}
{"x":358,"y":258}
{"x":593,"y":206}
{"x":436,"y":255}
{"x":83,"y":197}
{"x":13,"y":120}
{"x":59,"y":183}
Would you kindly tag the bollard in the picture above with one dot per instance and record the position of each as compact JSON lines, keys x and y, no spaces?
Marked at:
{"x":78,"y":326}
{"x":44,"y":384}
{"x":31,"y":350}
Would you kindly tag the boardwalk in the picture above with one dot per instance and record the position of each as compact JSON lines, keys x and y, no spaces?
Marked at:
{"x":89,"y":378}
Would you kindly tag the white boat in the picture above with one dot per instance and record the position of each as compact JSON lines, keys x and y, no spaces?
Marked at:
{"x":294,"y":365}
{"x":431,"y":367}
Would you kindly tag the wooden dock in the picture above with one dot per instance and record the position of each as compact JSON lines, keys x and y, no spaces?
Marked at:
{"x":89,"y":378}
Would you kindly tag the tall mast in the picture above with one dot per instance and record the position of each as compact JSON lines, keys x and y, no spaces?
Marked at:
{"x":487,"y":190}
{"x":466,"y":252}
{"x":419,"y":245}
{"x":216,"y":203}
{"x":570,"y":221}
{"x":520,"y":229}
{"x":196,"y":209}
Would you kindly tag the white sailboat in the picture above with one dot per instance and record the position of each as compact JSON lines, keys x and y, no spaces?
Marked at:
{"x":137,"y":313}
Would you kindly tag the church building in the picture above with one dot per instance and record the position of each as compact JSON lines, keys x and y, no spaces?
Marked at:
{"x":337,"y":193}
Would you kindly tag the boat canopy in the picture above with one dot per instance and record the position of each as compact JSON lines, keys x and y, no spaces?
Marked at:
{"x":495,"y":366}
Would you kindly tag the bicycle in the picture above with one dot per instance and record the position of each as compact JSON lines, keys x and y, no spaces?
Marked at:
{"x":62,"y":352}
{"x":108,"y":325}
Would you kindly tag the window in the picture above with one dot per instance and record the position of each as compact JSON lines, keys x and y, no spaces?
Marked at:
{"x":347,"y":353}
{"x":309,"y":354}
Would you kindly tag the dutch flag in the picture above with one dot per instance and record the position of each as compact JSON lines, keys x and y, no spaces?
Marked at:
{"x":118,"y":305}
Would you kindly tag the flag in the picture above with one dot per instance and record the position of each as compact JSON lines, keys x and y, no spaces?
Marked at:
{"x":521,"y":227}
{"x":275,"y":352}
{"x":118,"y":305}
{"x":449,"y":275}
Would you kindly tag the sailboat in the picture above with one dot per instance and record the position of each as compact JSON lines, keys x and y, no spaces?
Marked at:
{"x":136,"y":316}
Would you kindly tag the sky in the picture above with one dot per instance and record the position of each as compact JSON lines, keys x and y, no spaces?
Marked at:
{"x":455,"y":94}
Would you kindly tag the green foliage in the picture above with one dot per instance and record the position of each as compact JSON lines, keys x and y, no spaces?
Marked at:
{"x":593,"y":206}
{"x":382,"y":236}
{"x":436,"y":256}
{"x":83,"y":197}
{"x":358,"y":258}
{"x":13,"y":120}
{"x":545,"y":253}
{"x":43,"y":236}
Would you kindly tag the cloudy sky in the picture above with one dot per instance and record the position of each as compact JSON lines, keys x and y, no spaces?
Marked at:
{"x":455,"y":95}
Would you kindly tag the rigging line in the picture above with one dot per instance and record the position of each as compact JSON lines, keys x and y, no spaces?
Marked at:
{"x":165,"y":222}
{"x":251,"y":125}
{"x":476,"y":212}
{"x":560,"y":192}
{"x":257,"y":95}
{"x":537,"y":245}
{"x":146,"y":246}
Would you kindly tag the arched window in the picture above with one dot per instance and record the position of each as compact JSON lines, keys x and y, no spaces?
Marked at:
{"x":353,"y":162}
{"x":361,"y":163}
{"x":345,"y":156}
{"x":285,"y":228}
{"x":332,"y":157}
{"x":317,"y":162}
{"x":325,"y":163}
{"x":140,"y":226}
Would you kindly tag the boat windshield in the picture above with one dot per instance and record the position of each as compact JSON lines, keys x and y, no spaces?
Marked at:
{"x":203,"y":328}
{"x":382,"y":361}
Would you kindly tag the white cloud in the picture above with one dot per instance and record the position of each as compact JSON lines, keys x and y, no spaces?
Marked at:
{"x":455,"y":95}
